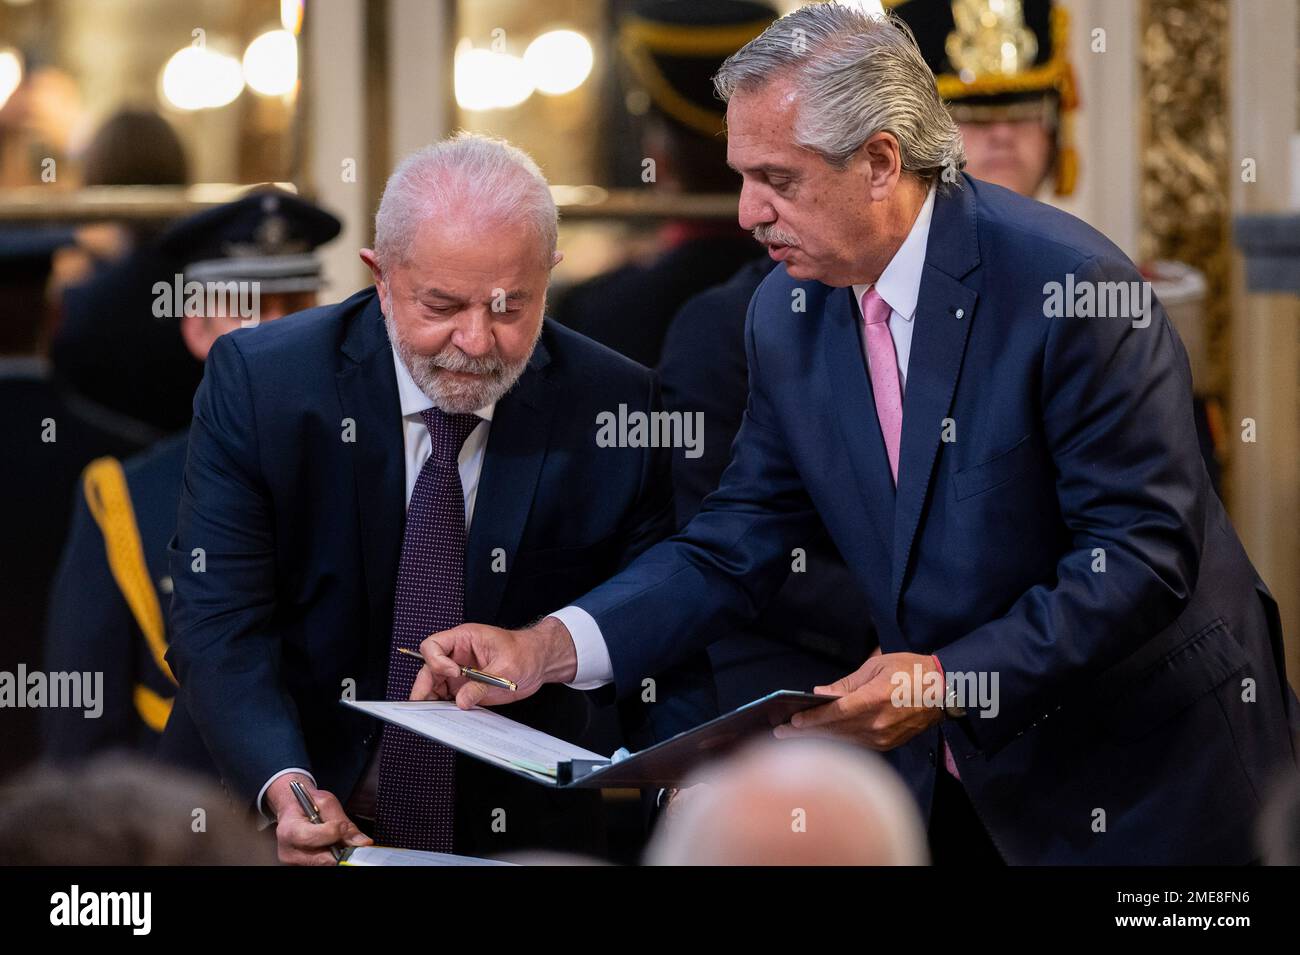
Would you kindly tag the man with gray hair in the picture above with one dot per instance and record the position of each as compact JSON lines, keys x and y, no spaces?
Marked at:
{"x":1080,"y":664}
{"x":364,"y":474}
{"x":811,"y":802}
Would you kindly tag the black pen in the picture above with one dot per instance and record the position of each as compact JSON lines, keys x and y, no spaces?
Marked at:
{"x":313,"y":813}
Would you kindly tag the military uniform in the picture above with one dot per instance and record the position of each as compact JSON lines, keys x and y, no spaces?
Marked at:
{"x":107,"y":603}
{"x":108,"y":611}
{"x":1002,"y":62}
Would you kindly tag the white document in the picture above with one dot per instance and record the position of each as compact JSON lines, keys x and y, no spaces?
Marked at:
{"x":482,"y":733}
{"x":383,"y":855}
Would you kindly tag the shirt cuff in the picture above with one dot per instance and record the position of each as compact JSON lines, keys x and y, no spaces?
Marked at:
{"x":594,"y":666}
{"x":270,"y":819}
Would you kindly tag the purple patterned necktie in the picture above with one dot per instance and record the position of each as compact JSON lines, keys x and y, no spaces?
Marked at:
{"x":417,"y":777}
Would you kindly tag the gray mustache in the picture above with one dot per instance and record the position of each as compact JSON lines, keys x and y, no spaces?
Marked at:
{"x":766,"y":235}
{"x":458,"y":361}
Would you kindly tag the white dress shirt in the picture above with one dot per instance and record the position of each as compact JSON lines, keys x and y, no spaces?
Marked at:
{"x":900,"y":286}
{"x":417,"y":445}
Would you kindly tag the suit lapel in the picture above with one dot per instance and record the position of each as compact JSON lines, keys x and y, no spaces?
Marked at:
{"x":512,"y":464}
{"x":855,"y":410}
{"x":367,"y":388}
{"x":945,"y":310}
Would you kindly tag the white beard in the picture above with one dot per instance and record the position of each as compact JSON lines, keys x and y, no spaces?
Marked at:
{"x":454,"y":396}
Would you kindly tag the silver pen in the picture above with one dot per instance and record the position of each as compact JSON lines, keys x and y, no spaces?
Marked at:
{"x":312,"y":812}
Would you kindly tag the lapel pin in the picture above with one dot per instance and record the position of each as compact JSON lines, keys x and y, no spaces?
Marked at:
{"x":960,"y":313}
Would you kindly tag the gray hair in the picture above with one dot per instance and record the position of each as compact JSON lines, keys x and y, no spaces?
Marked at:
{"x":488,"y":176}
{"x":855,"y":75}
{"x":120,"y":809}
{"x":864,"y":813}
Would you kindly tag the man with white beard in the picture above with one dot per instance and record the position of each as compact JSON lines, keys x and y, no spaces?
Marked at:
{"x":349,"y":492}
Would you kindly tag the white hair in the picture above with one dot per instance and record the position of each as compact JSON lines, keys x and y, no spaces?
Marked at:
{"x":855,"y":74}
{"x":858,"y":810}
{"x":466,"y":174}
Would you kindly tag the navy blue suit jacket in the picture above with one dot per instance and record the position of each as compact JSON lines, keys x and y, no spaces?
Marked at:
{"x":301,"y":533}
{"x":1143,"y":710}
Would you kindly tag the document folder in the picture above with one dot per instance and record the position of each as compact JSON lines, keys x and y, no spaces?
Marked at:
{"x":524,"y":751}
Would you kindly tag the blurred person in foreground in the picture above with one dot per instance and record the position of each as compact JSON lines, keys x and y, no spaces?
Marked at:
{"x":122,"y":811}
{"x":805,"y":802}
{"x":245,"y":263}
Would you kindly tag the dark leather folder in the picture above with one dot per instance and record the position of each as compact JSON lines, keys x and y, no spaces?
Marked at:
{"x":669,"y":762}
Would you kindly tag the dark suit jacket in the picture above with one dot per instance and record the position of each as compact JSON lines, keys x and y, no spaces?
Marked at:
{"x":301,"y":533}
{"x":629,"y":308}
{"x":1143,"y":709}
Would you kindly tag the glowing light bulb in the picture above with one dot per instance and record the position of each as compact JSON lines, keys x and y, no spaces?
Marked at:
{"x":559,"y":61}
{"x":271,"y":63}
{"x":199,"y":78}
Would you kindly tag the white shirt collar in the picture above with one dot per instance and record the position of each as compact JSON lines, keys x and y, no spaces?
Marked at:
{"x":413,"y":400}
{"x":900,"y":284}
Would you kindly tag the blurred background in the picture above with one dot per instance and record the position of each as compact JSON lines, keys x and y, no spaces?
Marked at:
{"x":1173,"y":126}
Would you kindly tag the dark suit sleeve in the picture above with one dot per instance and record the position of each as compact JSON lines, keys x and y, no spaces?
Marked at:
{"x":89,"y":628}
{"x":1117,"y":417}
{"x":682,"y":696}
{"x":224,"y":651}
{"x":724,"y":565}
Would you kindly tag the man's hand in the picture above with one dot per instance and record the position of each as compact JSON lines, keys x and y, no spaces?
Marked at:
{"x":298,"y":840}
{"x":544,"y":653}
{"x":866,"y":712}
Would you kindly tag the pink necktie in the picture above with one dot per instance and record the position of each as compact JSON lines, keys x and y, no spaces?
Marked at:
{"x":883,"y":362}
{"x":879,"y":344}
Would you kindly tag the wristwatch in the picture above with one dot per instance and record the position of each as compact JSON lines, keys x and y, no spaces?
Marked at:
{"x":950,"y":708}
